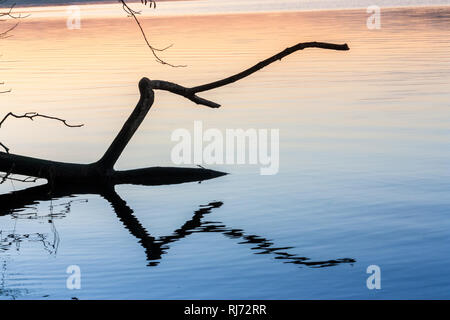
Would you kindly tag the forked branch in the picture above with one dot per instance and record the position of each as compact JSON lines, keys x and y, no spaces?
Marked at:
{"x":190,"y":93}
{"x":103,"y":170}
{"x":32,"y":115}
{"x":146,"y":87}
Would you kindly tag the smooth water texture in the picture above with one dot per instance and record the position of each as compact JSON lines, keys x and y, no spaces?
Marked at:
{"x":202,"y":6}
{"x":364,"y":158}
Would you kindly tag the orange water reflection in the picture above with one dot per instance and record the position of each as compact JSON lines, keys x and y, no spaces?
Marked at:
{"x":90,"y":76}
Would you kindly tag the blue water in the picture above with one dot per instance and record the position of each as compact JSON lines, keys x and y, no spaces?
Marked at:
{"x":364,"y":172}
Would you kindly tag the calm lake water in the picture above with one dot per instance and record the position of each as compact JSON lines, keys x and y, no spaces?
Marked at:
{"x":364,"y":158}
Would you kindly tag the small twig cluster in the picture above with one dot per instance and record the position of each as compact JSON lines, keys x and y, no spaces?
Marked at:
{"x":7,"y":176}
{"x":4,"y":16}
{"x":31,"y":116}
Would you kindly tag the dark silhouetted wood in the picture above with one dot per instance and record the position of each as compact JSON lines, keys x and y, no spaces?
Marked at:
{"x":131,"y":125}
{"x":103,"y":170}
{"x":190,"y":93}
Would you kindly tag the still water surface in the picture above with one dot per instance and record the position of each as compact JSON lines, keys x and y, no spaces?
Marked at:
{"x":364,"y":159}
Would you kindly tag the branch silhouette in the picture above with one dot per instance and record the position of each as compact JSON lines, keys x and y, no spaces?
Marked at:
{"x":190,"y":93}
{"x":133,"y":13}
{"x":103,"y":169}
{"x":5,"y":34}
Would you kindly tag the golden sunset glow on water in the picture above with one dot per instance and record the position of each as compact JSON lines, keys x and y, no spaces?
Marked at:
{"x":92,"y":73}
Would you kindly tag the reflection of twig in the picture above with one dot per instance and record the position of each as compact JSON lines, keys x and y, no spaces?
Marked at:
{"x":5,"y":34}
{"x":6,"y":176}
{"x":67,"y":206}
{"x":5,"y":292}
{"x":26,"y":180}
{"x":50,"y":245}
{"x":15,"y":239}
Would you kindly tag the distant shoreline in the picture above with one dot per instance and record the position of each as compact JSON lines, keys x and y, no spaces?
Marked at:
{"x":244,"y":9}
{"x":68,"y":3}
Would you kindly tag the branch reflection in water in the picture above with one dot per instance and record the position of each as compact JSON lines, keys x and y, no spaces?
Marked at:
{"x":15,"y":202}
{"x":12,"y":239}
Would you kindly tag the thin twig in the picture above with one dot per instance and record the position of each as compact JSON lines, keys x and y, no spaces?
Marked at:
{"x":5,"y":34}
{"x":5,"y":91}
{"x":32,"y":115}
{"x":26,"y":180}
{"x":10,"y":14}
{"x":4,"y":147}
{"x":7,"y":174}
{"x":133,"y":13}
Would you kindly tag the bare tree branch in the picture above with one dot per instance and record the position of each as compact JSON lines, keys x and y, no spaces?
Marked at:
{"x":25,"y":180}
{"x":103,"y":170}
{"x":29,"y":115}
{"x":32,"y":115}
{"x":10,"y":13}
{"x":150,"y":2}
{"x":146,"y":87}
{"x":190,"y":93}
{"x":264,"y":63}
{"x":133,"y":13}
{"x":4,"y":16}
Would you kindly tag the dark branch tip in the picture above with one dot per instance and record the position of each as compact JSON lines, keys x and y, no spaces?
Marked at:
{"x":144,"y":84}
